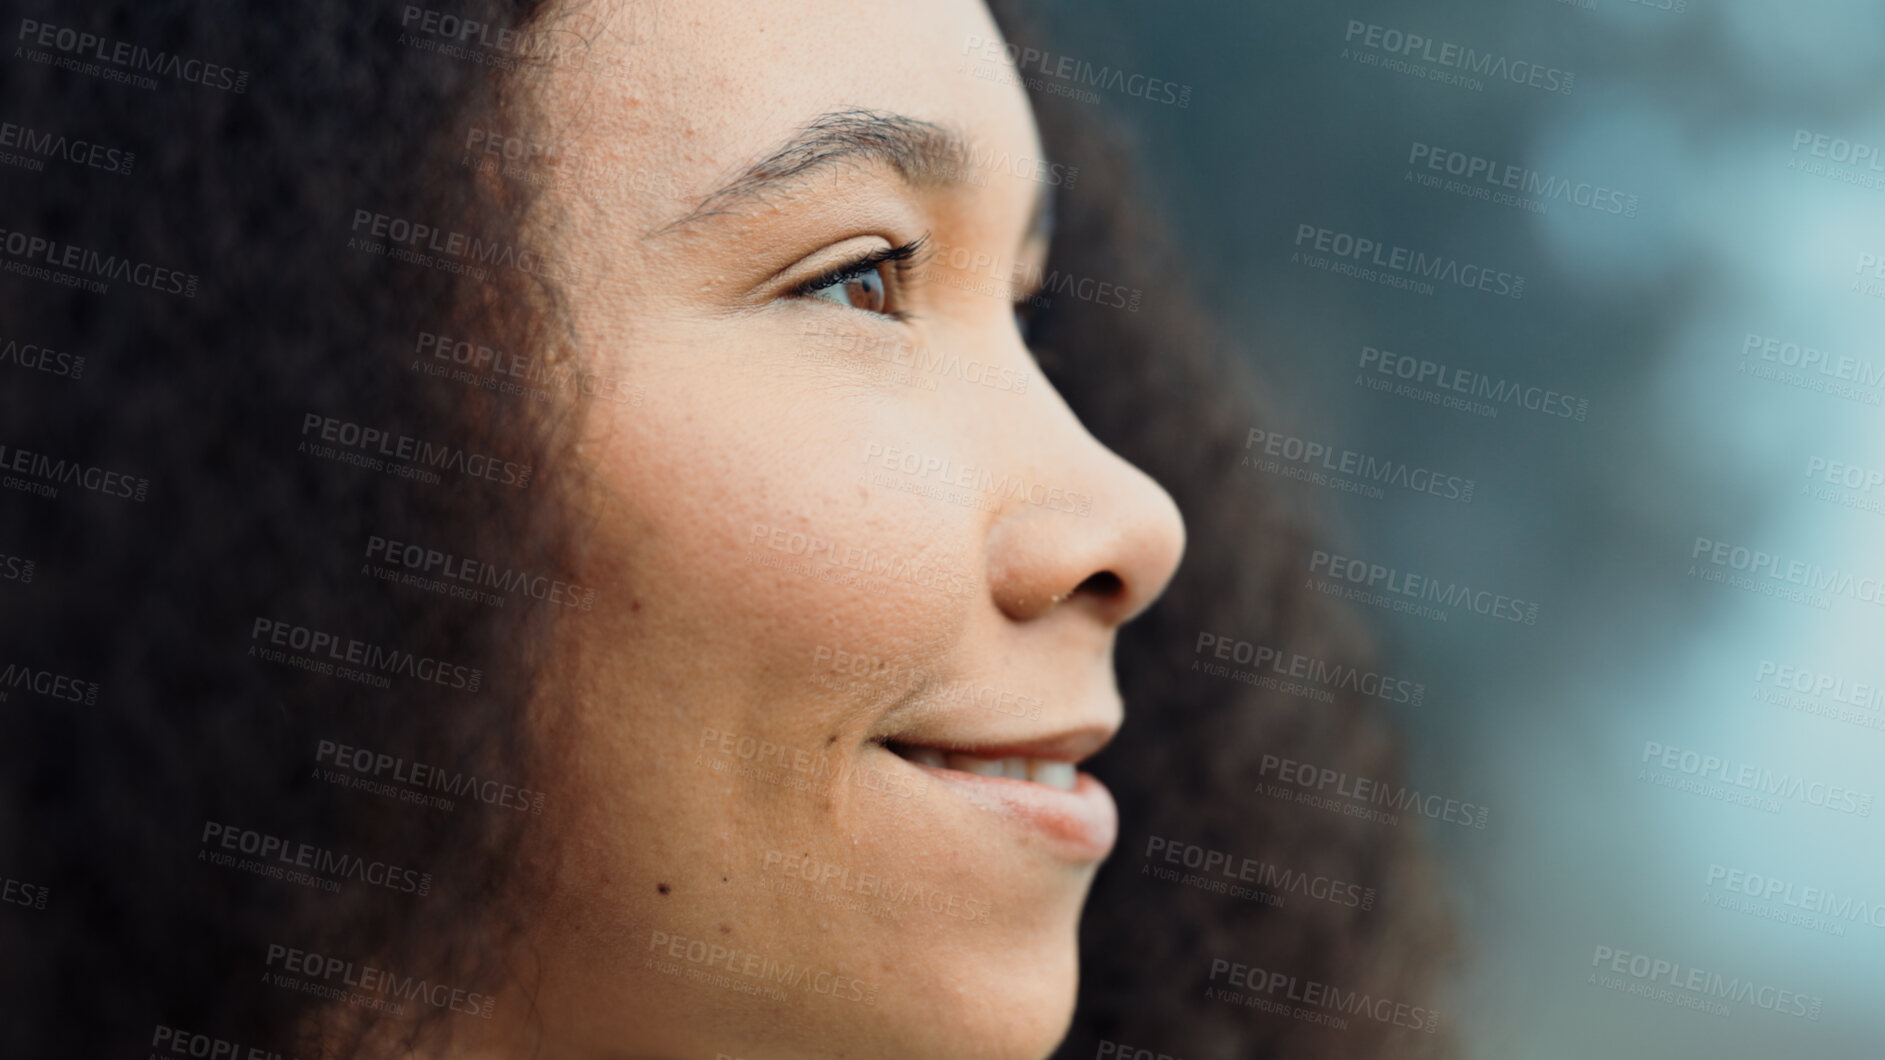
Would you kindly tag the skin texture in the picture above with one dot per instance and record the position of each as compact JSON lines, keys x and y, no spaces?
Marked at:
{"x":760,"y":419}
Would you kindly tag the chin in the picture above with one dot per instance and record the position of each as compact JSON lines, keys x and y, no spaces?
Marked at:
{"x":1028,"y":1019}
{"x":993,"y":1005}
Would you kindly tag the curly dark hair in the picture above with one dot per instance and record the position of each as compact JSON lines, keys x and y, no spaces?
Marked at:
{"x":246,"y":614}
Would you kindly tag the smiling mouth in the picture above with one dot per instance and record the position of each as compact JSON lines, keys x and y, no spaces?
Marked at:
{"x":1037,"y":788}
{"x":1052,"y":772}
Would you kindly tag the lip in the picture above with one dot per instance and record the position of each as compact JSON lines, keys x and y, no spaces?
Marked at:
{"x":1076,"y":826}
{"x":1080,"y":825}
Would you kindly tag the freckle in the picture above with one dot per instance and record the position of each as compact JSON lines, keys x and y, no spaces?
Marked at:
{"x":726,"y":929}
{"x":662,"y":887}
{"x":634,"y":605}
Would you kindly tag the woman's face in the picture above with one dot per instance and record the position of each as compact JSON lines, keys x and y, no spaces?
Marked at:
{"x":858,"y":568}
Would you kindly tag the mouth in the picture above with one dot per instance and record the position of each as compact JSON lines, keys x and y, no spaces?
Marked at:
{"x":1037,"y":788}
{"x":1051,"y":772}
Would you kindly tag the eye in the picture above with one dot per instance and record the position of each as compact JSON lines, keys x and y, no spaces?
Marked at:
{"x":873,"y":283}
{"x":866,"y":290}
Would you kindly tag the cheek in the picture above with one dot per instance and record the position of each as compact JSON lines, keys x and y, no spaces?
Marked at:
{"x":744,"y":595}
{"x":743,"y":517}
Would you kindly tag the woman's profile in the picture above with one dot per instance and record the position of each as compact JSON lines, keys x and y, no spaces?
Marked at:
{"x":672,"y":532}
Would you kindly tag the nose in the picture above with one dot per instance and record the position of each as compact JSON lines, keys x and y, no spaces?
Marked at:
{"x":1092,"y":533}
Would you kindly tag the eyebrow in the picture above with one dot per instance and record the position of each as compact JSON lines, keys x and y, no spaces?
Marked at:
{"x":923,"y":153}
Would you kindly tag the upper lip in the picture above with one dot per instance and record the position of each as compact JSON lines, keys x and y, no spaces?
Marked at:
{"x":1071,"y":745}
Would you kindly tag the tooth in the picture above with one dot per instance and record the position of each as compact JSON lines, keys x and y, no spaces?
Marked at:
{"x":1015,"y":768}
{"x":925,"y":756}
{"x":1053,"y":774}
{"x":981,"y":767}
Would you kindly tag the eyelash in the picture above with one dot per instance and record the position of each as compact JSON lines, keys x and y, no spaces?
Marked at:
{"x":904,"y":260}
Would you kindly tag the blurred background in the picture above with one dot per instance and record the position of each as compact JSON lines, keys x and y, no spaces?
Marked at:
{"x":1674,"y":435}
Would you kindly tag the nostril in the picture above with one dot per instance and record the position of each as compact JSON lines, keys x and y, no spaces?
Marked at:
{"x":1104,"y":584}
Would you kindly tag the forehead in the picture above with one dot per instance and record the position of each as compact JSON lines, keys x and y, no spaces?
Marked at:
{"x":685,"y":93}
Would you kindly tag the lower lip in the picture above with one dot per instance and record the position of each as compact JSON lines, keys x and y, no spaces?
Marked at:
{"x":1081,"y":824}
